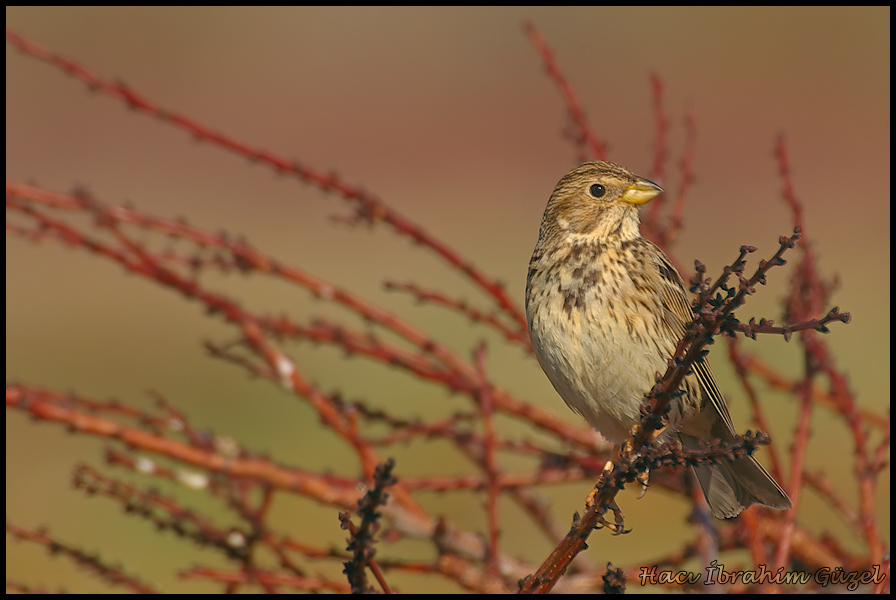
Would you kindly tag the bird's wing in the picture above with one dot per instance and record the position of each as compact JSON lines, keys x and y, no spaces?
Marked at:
{"x":678,"y":314}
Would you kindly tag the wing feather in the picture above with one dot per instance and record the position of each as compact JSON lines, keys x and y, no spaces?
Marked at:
{"x":678,"y":314}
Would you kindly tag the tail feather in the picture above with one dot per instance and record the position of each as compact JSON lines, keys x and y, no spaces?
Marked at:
{"x":731,"y":486}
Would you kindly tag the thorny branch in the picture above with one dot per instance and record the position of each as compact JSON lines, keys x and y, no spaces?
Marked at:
{"x":114,"y":574}
{"x":361,"y":543}
{"x":713,"y":315}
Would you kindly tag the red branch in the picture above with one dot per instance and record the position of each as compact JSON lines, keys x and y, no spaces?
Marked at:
{"x":592,"y":147}
{"x":808,"y":292}
{"x":486,"y":406}
{"x":658,"y":170}
{"x":111,"y":573}
{"x":266,"y":579}
{"x":248,"y":483}
{"x":140,"y":261}
{"x":513,"y":335}
{"x":368,"y":207}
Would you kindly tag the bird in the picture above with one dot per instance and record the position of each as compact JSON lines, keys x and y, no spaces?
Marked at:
{"x":606,"y":308}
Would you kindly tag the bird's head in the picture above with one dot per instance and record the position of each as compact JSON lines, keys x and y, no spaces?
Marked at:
{"x":597,"y":200}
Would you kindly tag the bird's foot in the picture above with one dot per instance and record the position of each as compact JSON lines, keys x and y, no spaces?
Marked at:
{"x":608,"y":468}
{"x":618,"y":525}
{"x":642,"y":478}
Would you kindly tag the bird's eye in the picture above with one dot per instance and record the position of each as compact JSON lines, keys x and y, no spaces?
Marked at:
{"x":597,"y":190}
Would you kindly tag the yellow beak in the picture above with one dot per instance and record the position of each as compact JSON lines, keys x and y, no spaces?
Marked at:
{"x":641,"y":192}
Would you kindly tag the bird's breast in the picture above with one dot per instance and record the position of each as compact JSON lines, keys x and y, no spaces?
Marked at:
{"x":590,"y":329}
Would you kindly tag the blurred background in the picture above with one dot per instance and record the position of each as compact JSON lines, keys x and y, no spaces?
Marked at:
{"x":448,"y":116}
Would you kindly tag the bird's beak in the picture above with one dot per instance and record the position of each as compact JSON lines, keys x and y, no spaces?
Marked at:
{"x":640,"y":192}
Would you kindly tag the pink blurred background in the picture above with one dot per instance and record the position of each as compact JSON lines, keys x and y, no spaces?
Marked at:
{"x":447,"y":115}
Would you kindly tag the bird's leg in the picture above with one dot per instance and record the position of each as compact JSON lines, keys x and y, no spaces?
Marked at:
{"x":642,"y":478}
{"x":618,"y":526}
{"x":628,"y":449}
{"x":608,"y":468}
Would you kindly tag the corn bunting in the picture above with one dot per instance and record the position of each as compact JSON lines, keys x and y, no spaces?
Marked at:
{"x":606,"y":309}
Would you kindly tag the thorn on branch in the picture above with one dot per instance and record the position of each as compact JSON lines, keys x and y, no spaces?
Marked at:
{"x":614,"y":580}
{"x":361,"y":542}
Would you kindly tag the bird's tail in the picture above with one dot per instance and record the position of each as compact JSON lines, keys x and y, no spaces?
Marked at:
{"x":731,"y":486}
